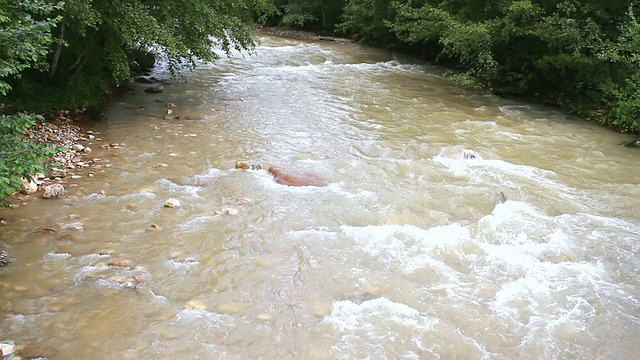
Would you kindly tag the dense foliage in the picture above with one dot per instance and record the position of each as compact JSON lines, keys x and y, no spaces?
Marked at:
{"x":69,"y":54}
{"x":583,"y":55}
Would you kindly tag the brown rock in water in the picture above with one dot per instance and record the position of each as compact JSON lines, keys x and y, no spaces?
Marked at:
{"x":34,"y":351}
{"x":54,"y":191}
{"x":120,"y":263}
{"x":291,"y":179}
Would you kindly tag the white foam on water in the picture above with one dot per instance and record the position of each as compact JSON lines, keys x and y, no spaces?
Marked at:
{"x":459,"y":165}
{"x":514,"y":109}
{"x":175,"y":189}
{"x":409,"y":247}
{"x":347,"y":315}
{"x":211,"y":319}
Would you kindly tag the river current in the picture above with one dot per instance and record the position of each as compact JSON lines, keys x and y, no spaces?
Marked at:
{"x":407,"y":254}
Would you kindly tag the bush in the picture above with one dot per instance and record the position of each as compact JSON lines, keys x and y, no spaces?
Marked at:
{"x":19,"y":158}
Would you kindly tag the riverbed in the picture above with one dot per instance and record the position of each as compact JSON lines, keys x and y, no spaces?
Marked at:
{"x":408,"y":253}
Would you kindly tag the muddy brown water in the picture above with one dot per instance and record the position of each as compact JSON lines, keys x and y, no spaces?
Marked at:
{"x":405,"y":255}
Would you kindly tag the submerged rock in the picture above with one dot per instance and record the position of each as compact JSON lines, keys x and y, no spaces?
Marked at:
{"x":172,"y":203}
{"x":154,"y":89}
{"x":34,"y":351}
{"x":632,"y":143}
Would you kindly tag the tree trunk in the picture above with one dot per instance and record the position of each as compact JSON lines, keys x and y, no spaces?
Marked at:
{"x":56,"y":55}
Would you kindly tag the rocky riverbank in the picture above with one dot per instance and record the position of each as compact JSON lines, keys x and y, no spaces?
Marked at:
{"x":306,"y":35}
{"x":78,"y":159}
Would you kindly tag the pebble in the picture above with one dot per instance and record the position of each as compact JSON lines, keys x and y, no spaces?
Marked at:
{"x":120,"y":263}
{"x":172,"y":203}
{"x":265,"y":316}
{"x":106,"y":252}
{"x":154,"y":227}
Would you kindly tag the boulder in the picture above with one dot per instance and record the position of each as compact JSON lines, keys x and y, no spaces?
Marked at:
{"x":154,"y":89}
{"x":290,"y":179}
{"x":54,"y":191}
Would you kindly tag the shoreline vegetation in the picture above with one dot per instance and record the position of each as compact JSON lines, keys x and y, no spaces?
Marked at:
{"x":62,"y":61}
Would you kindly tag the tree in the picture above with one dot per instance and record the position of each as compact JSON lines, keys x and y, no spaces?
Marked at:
{"x":25,"y":37}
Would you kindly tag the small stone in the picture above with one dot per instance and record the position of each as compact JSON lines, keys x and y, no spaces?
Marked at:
{"x":120,"y":263}
{"x":140,"y":278}
{"x":172,"y":203}
{"x":171,"y":105}
{"x":106,"y":252}
{"x":131,"y":207}
{"x":265,"y":316}
{"x":91,"y":137}
{"x":54,"y":191}
{"x":19,"y":288}
{"x":160,"y":165}
{"x":77,"y":147}
{"x":154,"y":227}
{"x":58,"y":173}
{"x":75,"y":177}
{"x":87,"y":149}
{"x":91,"y":175}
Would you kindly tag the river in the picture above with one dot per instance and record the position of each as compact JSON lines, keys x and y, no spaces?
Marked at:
{"x":407,"y":254}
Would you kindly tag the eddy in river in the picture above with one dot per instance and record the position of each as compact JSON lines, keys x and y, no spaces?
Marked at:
{"x":286,"y":178}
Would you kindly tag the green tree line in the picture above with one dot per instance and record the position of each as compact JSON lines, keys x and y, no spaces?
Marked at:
{"x":582,"y":55}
